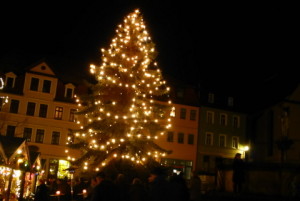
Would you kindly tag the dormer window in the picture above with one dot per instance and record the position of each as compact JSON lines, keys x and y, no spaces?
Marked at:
{"x":211,"y":97}
{"x":230,"y":101}
{"x":10,"y":80}
{"x":69,"y":92}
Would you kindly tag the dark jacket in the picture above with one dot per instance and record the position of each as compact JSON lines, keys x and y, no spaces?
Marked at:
{"x":105,"y":191}
{"x":41,"y":193}
{"x":238,"y":171}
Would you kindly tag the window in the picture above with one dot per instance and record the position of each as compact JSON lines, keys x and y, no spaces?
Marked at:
{"x":69,"y":93}
{"x":43,"y":110}
{"x":39,"y":138}
{"x":53,"y":167}
{"x":180,"y":138}
{"x":170,"y":137}
{"x":58,"y":113}
{"x":27,"y":134}
{"x":211,"y":97}
{"x":230,"y":101}
{"x":210,"y":117}
{"x":182,"y":113}
{"x":10,"y":131}
{"x":209,"y":139}
{"x":55,"y":137}
{"x":191,"y":139}
{"x":72,"y":115}
{"x":34,"y":85}
{"x":193,"y":115}
{"x":14,"y":106}
{"x":223,"y":119}
{"x":9,"y":82}
{"x":46,"y":86}
{"x":236,"y":121}
{"x":30,"y":109}
{"x":222,"y":140}
{"x":235,"y":142}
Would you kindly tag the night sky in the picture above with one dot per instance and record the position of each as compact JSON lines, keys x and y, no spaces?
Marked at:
{"x":232,"y":46}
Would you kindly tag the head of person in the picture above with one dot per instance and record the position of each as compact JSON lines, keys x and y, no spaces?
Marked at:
{"x":238,"y":156}
{"x":100,"y":176}
{"x":41,"y":181}
{"x":156,"y":172}
{"x":136,"y":181}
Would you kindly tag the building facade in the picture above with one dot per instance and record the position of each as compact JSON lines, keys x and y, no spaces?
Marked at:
{"x":275,"y":131}
{"x":41,"y":109}
{"x":182,"y":140}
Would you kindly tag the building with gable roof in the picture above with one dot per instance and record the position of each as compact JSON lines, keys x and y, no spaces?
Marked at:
{"x":41,"y":108}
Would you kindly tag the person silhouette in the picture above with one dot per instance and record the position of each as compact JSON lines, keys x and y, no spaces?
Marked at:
{"x":238,"y":176}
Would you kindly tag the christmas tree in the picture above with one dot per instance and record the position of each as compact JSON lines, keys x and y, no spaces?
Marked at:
{"x":3,"y":99}
{"x":128,"y":108}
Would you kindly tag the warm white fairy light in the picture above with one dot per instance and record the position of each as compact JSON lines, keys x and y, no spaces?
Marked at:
{"x":127,"y":75}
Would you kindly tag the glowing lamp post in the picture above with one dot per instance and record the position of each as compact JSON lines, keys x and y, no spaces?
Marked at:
{"x":245,"y":150}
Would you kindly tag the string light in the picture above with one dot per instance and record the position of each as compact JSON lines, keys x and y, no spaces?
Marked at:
{"x":129,"y":78}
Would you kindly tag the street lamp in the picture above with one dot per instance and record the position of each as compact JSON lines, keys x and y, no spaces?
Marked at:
{"x":245,"y":151}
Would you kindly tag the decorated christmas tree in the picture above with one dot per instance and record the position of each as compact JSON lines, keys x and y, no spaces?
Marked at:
{"x":3,"y":99}
{"x":129,"y":107}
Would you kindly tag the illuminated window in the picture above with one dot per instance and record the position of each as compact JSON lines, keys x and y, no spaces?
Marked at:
{"x":62,"y":166}
{"x":53,"y":168}
{"x":209,"y":139}
{"x":180,"y":138}
{"x":58,"y":113}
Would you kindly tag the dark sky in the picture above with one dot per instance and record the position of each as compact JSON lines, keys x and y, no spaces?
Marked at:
{"x":233,"y":46}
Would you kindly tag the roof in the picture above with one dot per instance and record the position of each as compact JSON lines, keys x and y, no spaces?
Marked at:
{"x":10,"y":145}
{"x":34,"y":157}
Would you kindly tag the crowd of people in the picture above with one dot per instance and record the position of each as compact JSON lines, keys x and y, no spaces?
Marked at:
{"x":159,"y":187}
